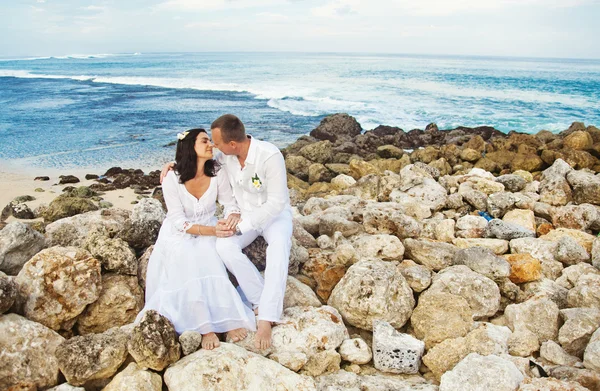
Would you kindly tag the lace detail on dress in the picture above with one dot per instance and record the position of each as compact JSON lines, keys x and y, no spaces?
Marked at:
{"x":187,"y":225}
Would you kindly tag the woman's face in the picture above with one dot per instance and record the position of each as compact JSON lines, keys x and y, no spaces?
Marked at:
{"x":203,"y":146}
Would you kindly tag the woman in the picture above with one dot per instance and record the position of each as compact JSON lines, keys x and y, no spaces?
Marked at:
{"x":186,"y":280}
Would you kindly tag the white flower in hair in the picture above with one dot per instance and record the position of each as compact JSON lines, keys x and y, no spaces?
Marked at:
{"x":181,"y":136}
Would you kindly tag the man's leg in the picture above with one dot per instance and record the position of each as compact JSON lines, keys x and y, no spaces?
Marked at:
{"x":230,"y":251}
{"x":278,"y":236}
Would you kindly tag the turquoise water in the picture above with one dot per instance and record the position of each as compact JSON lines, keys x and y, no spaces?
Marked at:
{"x":108,"y":109}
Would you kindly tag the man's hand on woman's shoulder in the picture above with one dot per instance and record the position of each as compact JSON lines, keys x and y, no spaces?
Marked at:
{"x":166,"y":168}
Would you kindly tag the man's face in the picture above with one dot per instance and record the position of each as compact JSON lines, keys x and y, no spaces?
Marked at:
{"x":220,"y":144}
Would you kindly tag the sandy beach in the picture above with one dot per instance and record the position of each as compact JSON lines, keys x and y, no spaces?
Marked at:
{"x":14,"y":184}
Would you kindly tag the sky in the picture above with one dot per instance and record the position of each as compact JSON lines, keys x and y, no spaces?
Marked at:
{"x":520,"y":28}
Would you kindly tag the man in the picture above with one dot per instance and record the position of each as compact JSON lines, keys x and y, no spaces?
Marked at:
{"x":257,"y":173}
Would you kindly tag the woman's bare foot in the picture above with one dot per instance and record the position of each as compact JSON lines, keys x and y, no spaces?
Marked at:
{"x":262,"y":340}
{"x":237,"y":335}
{"x":210,"y":341}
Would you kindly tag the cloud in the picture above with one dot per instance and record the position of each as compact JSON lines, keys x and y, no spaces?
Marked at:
{"x":272,"y":17}
{"x":41,"y":1}
{"x":95,"y":8}
{"x":336,"y":9}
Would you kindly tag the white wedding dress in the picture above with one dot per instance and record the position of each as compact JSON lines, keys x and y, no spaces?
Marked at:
{"x":186,"y":280}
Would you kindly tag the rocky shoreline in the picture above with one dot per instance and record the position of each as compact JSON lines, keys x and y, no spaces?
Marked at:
{"x":462,"y":259}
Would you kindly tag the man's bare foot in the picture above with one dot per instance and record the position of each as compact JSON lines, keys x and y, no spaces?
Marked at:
{"x":210,"y":341}
{"x":262,"y":340}
{"x":237,"y":335}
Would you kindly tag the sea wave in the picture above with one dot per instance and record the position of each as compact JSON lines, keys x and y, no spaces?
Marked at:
{"x":72,"y":57}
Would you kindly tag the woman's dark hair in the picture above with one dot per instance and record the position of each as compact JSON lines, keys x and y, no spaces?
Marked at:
{"x":186,"y":160}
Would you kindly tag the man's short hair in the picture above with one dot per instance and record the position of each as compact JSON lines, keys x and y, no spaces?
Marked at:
{"x":232,"y":128}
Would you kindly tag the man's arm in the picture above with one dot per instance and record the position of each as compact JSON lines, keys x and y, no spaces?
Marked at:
{"x":277,"y":196}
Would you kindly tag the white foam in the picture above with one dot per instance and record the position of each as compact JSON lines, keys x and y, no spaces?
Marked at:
{"x":72,"y":57}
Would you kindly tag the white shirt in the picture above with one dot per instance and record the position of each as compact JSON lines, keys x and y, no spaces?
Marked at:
{"x":260,"y":187}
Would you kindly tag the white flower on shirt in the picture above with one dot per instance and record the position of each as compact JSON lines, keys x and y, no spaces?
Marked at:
{"x":256,"y":182}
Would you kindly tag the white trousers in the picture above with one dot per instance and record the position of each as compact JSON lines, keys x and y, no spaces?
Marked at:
{"x":265,"y":293}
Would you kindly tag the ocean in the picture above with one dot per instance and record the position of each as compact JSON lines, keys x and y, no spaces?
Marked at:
{"x":97,"y":111}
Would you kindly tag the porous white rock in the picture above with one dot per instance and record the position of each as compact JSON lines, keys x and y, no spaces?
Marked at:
{"x":395,"y":352}
{"x":498,"y":246}
{"x":356,"y":351}
{"x":135,"y":378}
{"x":435,"y":255}
{"x":382,"y":246}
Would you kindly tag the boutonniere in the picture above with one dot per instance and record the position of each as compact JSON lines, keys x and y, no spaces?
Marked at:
{"x":256,"y":182}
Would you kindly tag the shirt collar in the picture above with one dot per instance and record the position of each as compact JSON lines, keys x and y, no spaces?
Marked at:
{"x":251,"y":151}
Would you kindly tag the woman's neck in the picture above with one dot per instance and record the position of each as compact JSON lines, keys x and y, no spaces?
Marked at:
{"x":200,"y":170}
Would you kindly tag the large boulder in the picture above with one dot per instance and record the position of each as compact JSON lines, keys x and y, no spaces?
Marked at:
{"x":382,"y":246}
{"x":135,"y":378}
{"x":432,"y":254}
{"x":18,"y":243}
{"x":27,"y":353}
{"x":114,"y":254}
{"x":141,"y":230}
{"x":579,"y":325}
{"x":539,"y":316}
{"x":483,"y":261}
{"x":395,"y":352}
{"x":336,"y":125}
{"x":373,"y":290}
{"x":299,"y":294}
{"x":67,"y":206}
{"x":554,"y":188}
{"x":390,"y":218}
{"x":586,"y":292}
{"x":319,"y":152}
{"x":120,"y":300}
{"x":482,"y":373}
{"x":480,"y":292}
{"x":586,"y":187}
{"x":91,"y":357}
{"x":439,"y":316}
{"x":153,"y":342}
{"x":57,"y":284}
{"x":230,"y":367}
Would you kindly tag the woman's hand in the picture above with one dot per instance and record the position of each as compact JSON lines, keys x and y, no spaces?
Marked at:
{"x":221,"y":231}
{"x":232,"y":221}
{"x":167,"y":167}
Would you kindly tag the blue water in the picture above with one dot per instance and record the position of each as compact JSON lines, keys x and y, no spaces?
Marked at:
{"x":121,"y":109}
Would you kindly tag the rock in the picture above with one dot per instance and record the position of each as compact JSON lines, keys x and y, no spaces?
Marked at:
{"x":417,"y":276}
{"x":317,"y":172}
{"x":502,"y":230}
{"x":27,"y":353}
{"x":319,"y":152}
{"x":66,"y":387}
{"x":429,"y":193}
{"x":141,"y":230}
{"x":395,"y":352}
{"x":336,"y":125}
{"x":8,"y":292}
{"x":257,"y":253}
{"x":578,"y":140}
{"x":142,"y":267}
{"x":550,"y":384}
{"x":470,"y":155}
{"x":527,"y":162}
{"x":586,"y":292}
{"x":56,"y":285}
{"x":298,"y":166}
{"x":444,"y":230}
{"x":537,"y":315}
{"x":66,"y":179}
{"x":523,"y":343}
{"x":382,"y":246}
{"x":321,"y":363}
{"x":538,"y":248}
{"x":554,"y":353}
{"x":481,"y":293}
{"x":389,"y":218}
{"x":324,"y":270}
{"x":190,"y":341}
{"x":291,"y":360}
{"x":66,"y":206}
{"x":348,"y":381}
{"x":586,"y":187}
{"x":18,"y":243}
{"x":579,"y":325}
{"x":92,"y":357}
{"x":581,"y":217}
{"x":153,"y":342}
{"x":547,"y":288}
{"x":434,"y":255}
{"x":498,"y":204}
{"x":114,"y":254}
{"x":524,"y":268}
{"x":342,"y":182}
{"x":521,"y":217}
{"x":439,"y":316}
{"x":299,"y":294}
{"x":583,"y":238}
{"x":331,"y":223}
{"x":120,"y":300}
{"x":482,"y":373}
{"x":498,"y":246}
{"x":373,"y":290}
{"x":135,"y":378}
{"x":591,"y":356}
{"x":389,"y":151}
{"x":485,"y":339}
{"x":554,"y":188}
{"x":585,"y":377}
{"x":569,"y":252}
{"x":512,"y":182}
{"x":246,"y":371}
{"x":484,"y":262}
{"x":356,"y":351}
{"x":73,"y":231}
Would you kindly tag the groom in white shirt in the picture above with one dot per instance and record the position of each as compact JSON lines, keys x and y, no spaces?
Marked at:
{"x":258,"y":176}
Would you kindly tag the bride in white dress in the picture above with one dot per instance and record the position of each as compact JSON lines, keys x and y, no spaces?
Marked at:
{"x":186,"y":280}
